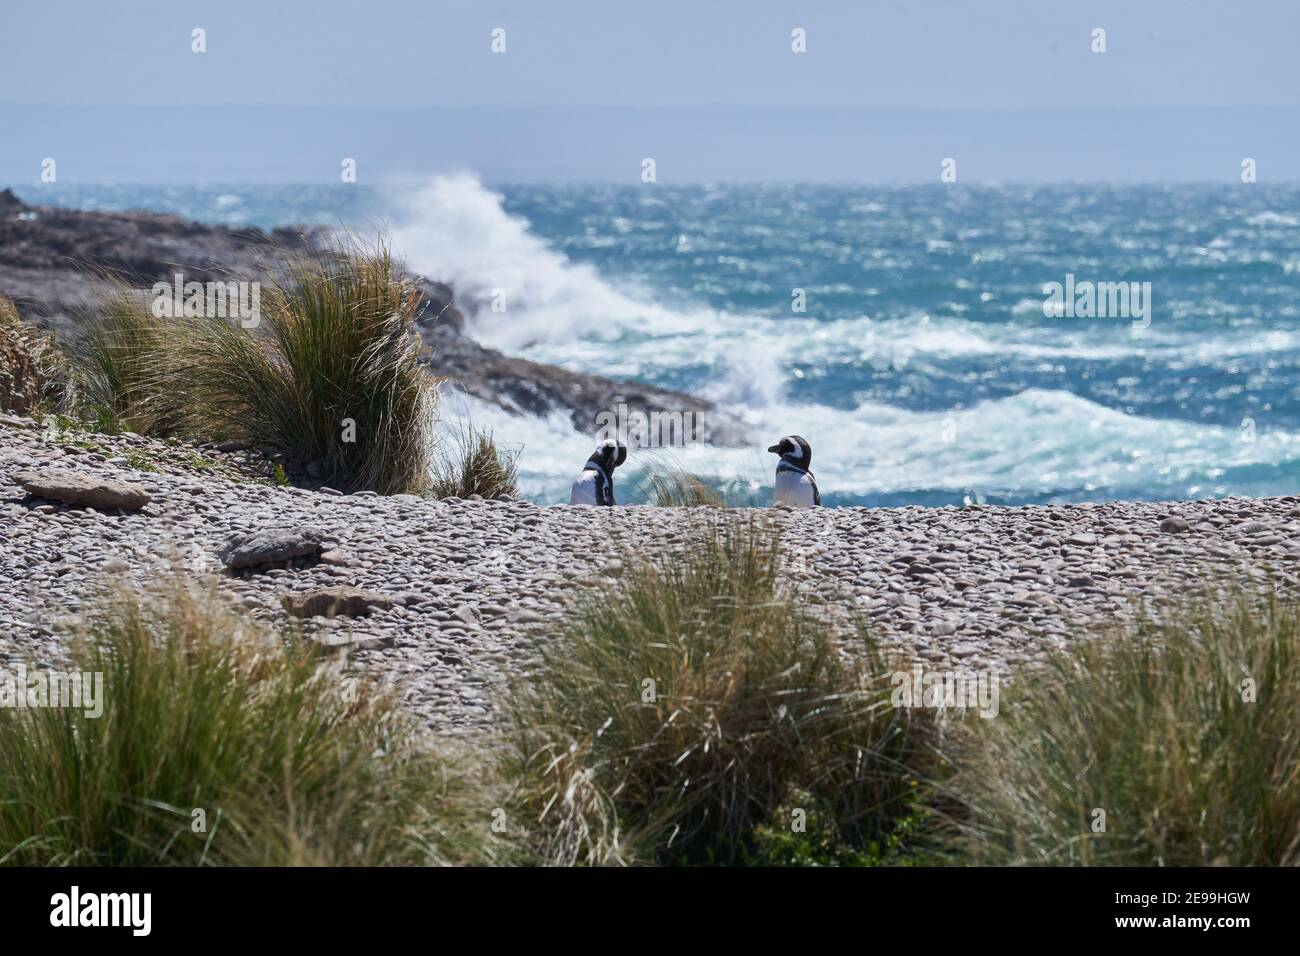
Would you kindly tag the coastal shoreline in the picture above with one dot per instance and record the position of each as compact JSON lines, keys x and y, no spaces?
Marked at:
{"x":54,"y":262}
{"x":475,"y":585}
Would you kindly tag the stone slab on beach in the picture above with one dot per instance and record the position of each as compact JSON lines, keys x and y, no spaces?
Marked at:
{"x":271,"y":546}
{"x":343,"y":601}
{"x":77,"y":488}
{"x":475,"y":587}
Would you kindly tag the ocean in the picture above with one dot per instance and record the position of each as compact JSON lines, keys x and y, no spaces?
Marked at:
{"x":902,"y":330}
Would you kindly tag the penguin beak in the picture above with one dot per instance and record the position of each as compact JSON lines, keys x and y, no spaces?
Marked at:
{"x":775,"y":449}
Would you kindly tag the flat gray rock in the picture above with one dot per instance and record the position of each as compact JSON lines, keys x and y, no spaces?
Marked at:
{"x":17,"y":421}
{"x":271,"y":546}
{"x":94,"y":491}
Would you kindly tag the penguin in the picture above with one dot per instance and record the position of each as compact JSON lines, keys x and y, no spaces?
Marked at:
{"x":595,"y":486}
{"x":795,"y":484}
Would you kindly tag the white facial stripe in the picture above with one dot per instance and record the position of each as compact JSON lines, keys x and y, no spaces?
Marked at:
{"x":796,"y":450}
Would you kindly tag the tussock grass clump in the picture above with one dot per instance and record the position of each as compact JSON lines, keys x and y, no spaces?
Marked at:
{"x":33,"y":372}
{"x":329,"y":375}
{"x":474,"y":465}
{"x":686,"y":705}
{"x":677,"y":488}
{"x":1187,"y":736}
{"x":125,"y":368}
{"x":204,"y":710}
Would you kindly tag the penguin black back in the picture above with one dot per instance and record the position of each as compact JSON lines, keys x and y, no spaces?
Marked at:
{"x":607,"y":456}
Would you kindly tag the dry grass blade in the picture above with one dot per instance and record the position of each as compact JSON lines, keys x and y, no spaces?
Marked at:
{"x":329,"y":374}
{"x":473,"y":465}
{"x":1177,"y":746}
{"x":221,"y":743}
{"x":683,"y":706}
{"x":677,"y":488}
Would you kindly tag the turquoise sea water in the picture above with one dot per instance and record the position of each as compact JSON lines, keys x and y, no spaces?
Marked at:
{"x":923,"y":368}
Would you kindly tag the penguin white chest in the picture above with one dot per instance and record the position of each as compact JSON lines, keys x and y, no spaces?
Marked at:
{"x":794,"y":488}
{"x":589,"y":489}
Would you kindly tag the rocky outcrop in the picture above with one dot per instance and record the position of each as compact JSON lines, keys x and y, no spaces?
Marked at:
{"x":523,"y":387}
{"x":56,"y":263}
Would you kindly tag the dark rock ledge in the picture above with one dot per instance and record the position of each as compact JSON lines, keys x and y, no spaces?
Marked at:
{"x":53,"y":264}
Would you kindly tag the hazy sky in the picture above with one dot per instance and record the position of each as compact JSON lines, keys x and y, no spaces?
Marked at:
{"x":585,"y":89}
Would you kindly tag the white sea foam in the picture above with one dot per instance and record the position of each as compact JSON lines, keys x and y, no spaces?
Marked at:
{"x":456,"y":230}
{"x":1038,"y":441}
{"x":562,"y":312}
{"x":1270,"y":218}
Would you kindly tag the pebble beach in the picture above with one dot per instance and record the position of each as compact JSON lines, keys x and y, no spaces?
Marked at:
{"x":455,"y":595}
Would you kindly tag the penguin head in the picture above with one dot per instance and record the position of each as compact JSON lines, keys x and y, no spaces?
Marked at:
{"x":609,"y":454}
{"x":795,"y":450}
